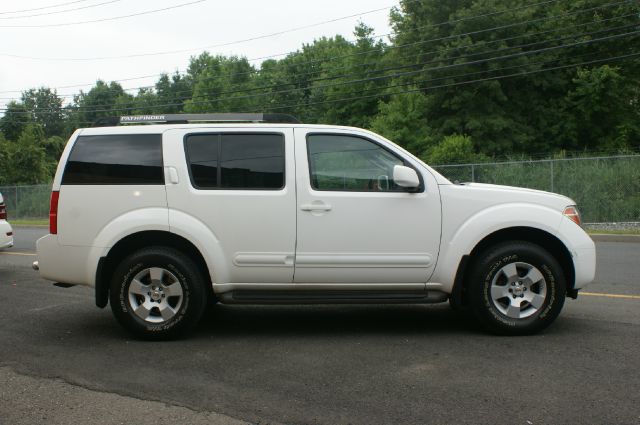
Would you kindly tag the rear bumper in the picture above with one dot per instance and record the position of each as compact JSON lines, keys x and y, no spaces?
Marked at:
{"x":6,"y":240}
{"x":63,"y":263}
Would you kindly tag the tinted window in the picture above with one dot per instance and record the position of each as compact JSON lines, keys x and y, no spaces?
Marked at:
{"x":236,"y":161}
{"x":350,"y":163}
{"x":202,"y":150}
{"x":115,"y":159}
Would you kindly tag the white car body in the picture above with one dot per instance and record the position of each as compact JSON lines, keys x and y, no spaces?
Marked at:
{"x":6,"y":232}
{"x":304,"y":238}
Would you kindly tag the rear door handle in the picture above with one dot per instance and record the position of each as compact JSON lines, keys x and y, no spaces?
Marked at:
{"x":316,"y":206}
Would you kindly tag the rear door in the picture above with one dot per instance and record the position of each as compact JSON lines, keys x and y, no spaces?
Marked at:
{"x":241,"y":184}
{"x":354,"y":224}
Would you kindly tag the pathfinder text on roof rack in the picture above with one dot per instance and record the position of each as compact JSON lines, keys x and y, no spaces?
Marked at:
{"x":194,"y":118}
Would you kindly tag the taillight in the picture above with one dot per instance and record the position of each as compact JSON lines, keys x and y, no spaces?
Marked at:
{"x":53,"y":213}
{"x":3,"y":212}
{"x":571,"y":212}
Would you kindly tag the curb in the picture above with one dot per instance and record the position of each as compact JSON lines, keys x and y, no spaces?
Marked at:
{"x":604,"y":237}
{"x":29,"y":226}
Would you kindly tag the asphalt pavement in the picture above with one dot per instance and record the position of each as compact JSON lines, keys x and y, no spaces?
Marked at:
{"x":63,"y":360}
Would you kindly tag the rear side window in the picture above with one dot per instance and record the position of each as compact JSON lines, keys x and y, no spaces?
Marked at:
{"x":236,"y":161}
{"x":115,"y":159}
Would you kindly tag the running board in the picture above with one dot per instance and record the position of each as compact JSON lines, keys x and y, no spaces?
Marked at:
{"x":248,"y":296}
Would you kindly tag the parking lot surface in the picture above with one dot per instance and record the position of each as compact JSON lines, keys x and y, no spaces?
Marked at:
{"x":63,"y":360}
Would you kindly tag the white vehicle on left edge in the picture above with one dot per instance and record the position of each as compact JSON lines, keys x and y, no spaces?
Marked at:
{"x":6,"y":232}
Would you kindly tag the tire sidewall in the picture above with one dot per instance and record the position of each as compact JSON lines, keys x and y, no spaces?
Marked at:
{"x":188,"y":278}
{"x":486,"y":269}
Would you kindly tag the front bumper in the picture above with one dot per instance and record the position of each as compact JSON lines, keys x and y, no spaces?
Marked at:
{"x":582,"y":250}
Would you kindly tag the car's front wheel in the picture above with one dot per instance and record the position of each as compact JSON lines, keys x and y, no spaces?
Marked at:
{"x":158,"y":293}
{"x":516,"y":288}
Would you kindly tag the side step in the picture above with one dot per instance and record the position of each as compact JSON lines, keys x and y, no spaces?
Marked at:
{"x":331,"y":297}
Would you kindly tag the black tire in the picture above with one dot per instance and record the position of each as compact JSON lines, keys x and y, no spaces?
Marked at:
{"x":514,"y":306}
{"x":168,"y":315}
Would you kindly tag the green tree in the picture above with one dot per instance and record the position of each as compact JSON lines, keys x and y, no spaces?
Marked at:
{"x":145,"y":102}
{"x":173,"y":91}
{"x":53,"y":147}
{"x":464,"y":55}
{"x":454,"y":149}
{"x":222,"y":84}
{"x":402,"y":120}
{"x":15,"y":120}
{"x":46,"y":109}
{"x":602,"y":111}
{"x":349,"y":73}
{"x":24,"y":161}
{"x":101,"y":100}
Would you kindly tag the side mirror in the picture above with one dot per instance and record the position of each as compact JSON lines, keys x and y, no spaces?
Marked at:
{"x":405,"y":177}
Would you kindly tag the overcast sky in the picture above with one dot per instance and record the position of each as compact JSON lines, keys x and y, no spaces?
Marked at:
{"x":189,"y":29}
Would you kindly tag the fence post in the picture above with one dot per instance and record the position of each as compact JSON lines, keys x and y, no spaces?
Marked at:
{"x":473,"y":173}
{"x":17,"y":204}
{"x":552,"y":179}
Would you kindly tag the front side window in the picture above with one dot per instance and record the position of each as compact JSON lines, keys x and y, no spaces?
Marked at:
{"x":350,"y":163}
{"x":236,"y":161}
{"x":115,"y":159}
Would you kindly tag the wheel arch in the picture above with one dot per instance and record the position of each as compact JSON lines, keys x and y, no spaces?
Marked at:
{"x":539,"y":237}
{"x":135,"y":241}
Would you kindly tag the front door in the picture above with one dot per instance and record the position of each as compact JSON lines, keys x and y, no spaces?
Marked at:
{"x":354,"y":225}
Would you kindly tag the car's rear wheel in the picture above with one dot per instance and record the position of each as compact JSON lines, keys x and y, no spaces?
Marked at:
{"x":158,"y":293}
{"x":516,"y":288}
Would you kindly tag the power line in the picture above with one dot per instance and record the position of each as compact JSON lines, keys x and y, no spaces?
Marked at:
{"x":166,"y":52}
{"x":426,"y":88}
{"x":61,"y":11}
{"x":420,"y":89}
{"x":443,"y":38}
{"x":45,"y":7}
{"x":359,"y":81}
{"x":398,"y":58}
{"x":334,"y":77}
{"x":403,"y":74}
{"x":485,"y":30}
{"x":400,"y":46}
{"x":65,"y":24}
{"x":384,"y":77}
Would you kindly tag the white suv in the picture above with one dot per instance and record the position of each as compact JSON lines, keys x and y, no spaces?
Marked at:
{"x":164,"y":219}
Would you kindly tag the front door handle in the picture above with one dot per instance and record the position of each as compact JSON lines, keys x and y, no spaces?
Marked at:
{"x":316,"y":206}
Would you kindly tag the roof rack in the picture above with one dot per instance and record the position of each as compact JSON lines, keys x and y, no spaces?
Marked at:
{"x":190,"y":118}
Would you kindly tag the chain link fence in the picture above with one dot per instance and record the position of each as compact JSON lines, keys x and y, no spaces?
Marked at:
{"x":607,"y":189}
{"x":27,"y":202}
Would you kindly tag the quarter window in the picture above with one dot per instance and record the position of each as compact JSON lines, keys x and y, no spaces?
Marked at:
{"x":115,"y":159}
{"x":236,"y":161}
{"x":350,"y":163}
